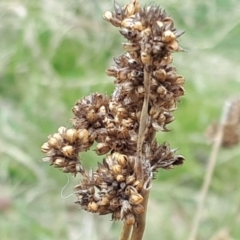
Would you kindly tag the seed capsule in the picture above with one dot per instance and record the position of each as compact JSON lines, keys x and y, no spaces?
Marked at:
{"x":103,"y":202}
{"x":169,"y":118}
{"x":178,"y":80}
{"x":107,"y":16}
{"x":127,"y":23}
{"x":114,"y":203}
{"x":92,"y":207}
{"x":61,"y":130}
{"x":71,"y":135}
{"x":102,"y":110}
{"x":60,"y":162}
{"x":121,"y":158}
{"x":129,"y":9}
{"x":138,"y":209}
{"x":138,"y":26}
{"x":145,"y":57}
{"x":112,"y":71}
{"x":68,"y":150}
{"x":120,"y":178}
{"x":58,"y":136}
{"x":103,"y":210}
{"x":173,"y":46}
{"x":135,"y":198}
{"x":129,"y":34}
{"x":168,"y":36}
{"x":168,"y":23}
{"x":162,"y":90}
{"x":130,"y":219}
{"x":116,"y":215}
{"x":137,"y":185}
{"x":102,"y":148}
{"x":53,"y":142}
{"x":160,"y":24}
{"x":160,"y":74}
{"x":45,"y":147}
{"x":131,"y":47}
{"x":130,"y":179}
{"x":92,"y":116}
{"x":83,"y":135}
{"x":167,"y":60}
{"x":117,"y":169}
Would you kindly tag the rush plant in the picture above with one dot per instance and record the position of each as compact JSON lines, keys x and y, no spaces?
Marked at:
{"x":124,"y":125}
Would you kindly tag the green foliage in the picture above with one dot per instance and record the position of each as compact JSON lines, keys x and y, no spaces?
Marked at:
{"x":55,"y":52}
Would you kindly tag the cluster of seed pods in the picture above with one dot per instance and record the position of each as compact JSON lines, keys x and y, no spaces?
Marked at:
{"x":113,"y":122}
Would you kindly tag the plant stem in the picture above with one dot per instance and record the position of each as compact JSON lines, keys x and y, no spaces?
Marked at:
{"x":143,"y":123}
{"x":126,"y":231}
{"x":138,"y":231}
{"x":210,"y":168}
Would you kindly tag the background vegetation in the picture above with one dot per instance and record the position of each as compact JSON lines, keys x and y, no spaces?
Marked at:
{"x":53,"y":53}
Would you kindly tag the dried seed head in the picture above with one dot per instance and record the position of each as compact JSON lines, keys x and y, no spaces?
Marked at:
{"x":130,"y":219}
{"x":67,"y":150}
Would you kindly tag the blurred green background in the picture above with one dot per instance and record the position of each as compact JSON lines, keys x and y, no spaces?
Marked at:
{"x":53,"y":53}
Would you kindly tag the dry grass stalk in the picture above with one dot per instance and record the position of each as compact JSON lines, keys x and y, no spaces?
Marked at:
{"x":230,"y":117}
{"x":124,"y":125}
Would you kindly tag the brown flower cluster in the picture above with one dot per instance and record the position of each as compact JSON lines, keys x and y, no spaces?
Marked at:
{"x":231,"y":129}
{"x":145,"y":81}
